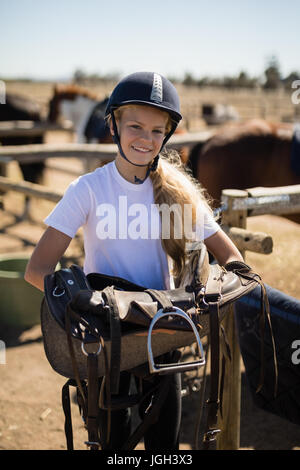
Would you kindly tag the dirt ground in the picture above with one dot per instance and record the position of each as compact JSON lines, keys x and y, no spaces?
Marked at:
{"x":31,"y":416}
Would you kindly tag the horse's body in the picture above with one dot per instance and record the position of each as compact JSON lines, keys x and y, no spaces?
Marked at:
{"x":23,"y":109}
{"x":18,"y":107}
{"x":241,"y":156}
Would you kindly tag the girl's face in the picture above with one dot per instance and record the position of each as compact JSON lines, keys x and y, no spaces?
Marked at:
{"x":142,"y":130}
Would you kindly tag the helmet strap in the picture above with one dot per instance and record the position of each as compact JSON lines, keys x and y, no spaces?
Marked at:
{"x":169,"y":135}
{"x":151,"y":167}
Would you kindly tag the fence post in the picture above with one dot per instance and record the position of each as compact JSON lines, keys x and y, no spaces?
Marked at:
{"x":229,"y":423}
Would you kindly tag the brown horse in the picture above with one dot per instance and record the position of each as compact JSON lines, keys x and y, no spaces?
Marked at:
{"x":245,"y":155}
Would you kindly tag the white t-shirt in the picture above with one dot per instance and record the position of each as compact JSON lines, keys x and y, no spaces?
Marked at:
{"x":121,"y":226}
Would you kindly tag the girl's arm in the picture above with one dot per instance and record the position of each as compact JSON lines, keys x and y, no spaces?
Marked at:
{"x":45,"y":256}
{"x":222,"y":248}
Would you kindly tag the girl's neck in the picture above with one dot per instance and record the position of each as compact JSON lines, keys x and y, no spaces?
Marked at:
{"x":129,"y":171}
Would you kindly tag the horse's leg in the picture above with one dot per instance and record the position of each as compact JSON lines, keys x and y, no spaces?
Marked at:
{"x":33,"y":173}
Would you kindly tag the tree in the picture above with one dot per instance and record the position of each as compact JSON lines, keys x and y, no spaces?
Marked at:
{"x":292,"y":77}
{"x":189,"y":80}
{"x":272,"y":73}
{"x":79,"y":76}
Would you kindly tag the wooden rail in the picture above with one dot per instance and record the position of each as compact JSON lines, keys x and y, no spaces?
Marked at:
{"x":31,"y":128}
{"x":247,"y":240}
{"x":105,"y":152}
{"x":283,"y":200}
{"x":39,"y":152}
{"x":30,"y":189}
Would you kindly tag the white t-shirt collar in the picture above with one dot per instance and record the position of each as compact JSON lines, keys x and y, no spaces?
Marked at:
{"x":127,"y":184}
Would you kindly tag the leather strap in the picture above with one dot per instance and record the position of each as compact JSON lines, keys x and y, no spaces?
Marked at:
{"x":66,"y":405}
{"x":212,"y":430}
{"x":69,"y":312}
{"x":67,"y":282}
{"x":213,"y":297}
{"x":115,"y":335}
{"x":93,"y":397}
{"x":161,"y":298}
{"x":265,"y":312}
{"x":152,"y":416}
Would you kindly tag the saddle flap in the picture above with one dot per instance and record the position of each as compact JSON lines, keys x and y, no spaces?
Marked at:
{"x":64,"y":287}
{"x":139,"y":308}
{"x":140,"y":313}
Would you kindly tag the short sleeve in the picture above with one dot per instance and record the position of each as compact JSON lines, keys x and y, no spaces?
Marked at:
{"x":210,"y":226}
{"x":72,"y":210}
{"x":206,"y":226}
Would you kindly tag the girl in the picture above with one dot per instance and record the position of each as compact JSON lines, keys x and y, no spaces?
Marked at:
{"x":118,"y":206}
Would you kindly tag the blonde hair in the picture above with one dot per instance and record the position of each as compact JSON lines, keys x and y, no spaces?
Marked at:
{"x":173,"y":183}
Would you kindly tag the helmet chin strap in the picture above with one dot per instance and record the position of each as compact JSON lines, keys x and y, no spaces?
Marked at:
{"x":151,"y":166}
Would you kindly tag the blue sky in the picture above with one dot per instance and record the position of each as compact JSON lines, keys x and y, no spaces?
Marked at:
{"x":50,"y":39}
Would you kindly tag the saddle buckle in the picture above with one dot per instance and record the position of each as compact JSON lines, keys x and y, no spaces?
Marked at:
{"x":92,"y":444}
{"x":93,"y":351}
{"x":210,"y":435}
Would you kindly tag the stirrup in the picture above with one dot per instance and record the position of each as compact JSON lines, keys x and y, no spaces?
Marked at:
{"x":171,"y":368}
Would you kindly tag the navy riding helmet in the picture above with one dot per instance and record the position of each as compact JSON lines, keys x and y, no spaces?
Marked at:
{"x":145,"y":88}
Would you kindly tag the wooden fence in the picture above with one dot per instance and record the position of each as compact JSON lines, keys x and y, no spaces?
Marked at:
{"x":31,"y":128}
{"x":39,"y":152}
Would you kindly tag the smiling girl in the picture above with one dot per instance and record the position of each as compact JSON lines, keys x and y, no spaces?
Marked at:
{"x":142,"y":113}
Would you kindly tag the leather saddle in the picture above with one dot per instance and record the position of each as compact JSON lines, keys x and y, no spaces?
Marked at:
{"x":120,"y":312}
{"x":97,"y":326}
